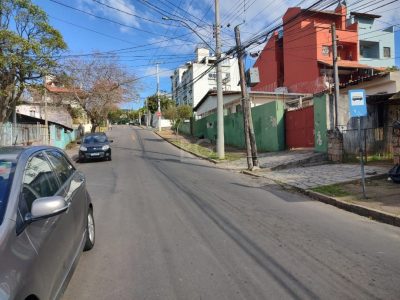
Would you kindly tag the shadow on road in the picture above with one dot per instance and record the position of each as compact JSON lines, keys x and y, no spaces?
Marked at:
{"x":277,"y":191}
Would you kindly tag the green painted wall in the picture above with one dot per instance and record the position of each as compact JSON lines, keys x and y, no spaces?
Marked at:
{"x":184,"y":128}
{"x":320,"y":124}
{"x":268,"y":121}
{"x":269,"y":126}
{"x":206,"y":127}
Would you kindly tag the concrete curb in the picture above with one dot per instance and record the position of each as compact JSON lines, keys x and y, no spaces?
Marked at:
{"x":188,"y":151}
{"x":361,"y":210}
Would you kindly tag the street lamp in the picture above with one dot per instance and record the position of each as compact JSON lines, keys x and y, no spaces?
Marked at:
{"x":188,"y":26}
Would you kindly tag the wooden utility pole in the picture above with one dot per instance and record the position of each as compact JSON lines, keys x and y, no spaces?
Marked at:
{"x":335,"y":73}
{"x":251,"y":146}
{"x":244,"y":95}
{"x":220,"y":96}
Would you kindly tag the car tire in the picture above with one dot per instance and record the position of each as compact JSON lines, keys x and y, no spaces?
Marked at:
{"x":90,"y":231}
{"x":81,"y":160}
{"x":109,"y":158}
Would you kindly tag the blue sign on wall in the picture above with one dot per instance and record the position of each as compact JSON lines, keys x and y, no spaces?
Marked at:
{"x":357,"y":103}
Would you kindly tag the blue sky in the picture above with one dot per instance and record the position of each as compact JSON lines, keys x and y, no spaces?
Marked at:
{"x":138,"y":25}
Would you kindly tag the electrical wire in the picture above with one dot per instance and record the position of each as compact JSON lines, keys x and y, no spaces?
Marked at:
{"x":107,"y":19}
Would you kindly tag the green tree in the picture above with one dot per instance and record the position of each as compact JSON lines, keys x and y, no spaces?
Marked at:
{"x":114,"y":115}
{"x":171,"y":114}
{"x":28,"y":45}
{"x":184,"y":112}
{"x":177,"y":115}
{"x":165,"y":102}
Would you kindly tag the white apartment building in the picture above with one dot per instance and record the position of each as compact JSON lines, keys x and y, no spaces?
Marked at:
{"x":189,"y":87}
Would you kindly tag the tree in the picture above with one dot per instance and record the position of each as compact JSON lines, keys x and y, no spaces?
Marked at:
{"x":115,"y":115}
{"x":171,"y":114}
{"x":178,"y":114}
{"x":165,"y":102}
{"x":184,"y":112}
{"x":28,"y":45}
{"x":103,"y":85}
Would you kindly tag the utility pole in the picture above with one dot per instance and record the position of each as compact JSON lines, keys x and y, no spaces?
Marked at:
{"x":220,"y":99}
{"x":147,"y":112}
{"x":251,"y":146}
{"x":335,"y":72}
{"x":46,"y":122}
{"x":244,"y":100}
{"x":158,"y":101}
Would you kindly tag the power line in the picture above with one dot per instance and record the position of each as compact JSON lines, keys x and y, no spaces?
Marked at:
{"x":127,"y":13}
{"x":88,"y":29}
{"x":107,"y":19}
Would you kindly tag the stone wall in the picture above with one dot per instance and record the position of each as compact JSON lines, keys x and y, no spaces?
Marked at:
{"x":335,"y":146}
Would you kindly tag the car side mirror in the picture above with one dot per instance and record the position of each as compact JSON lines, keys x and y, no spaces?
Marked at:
{"x":46,"y":207}
{"x":78,"y":142}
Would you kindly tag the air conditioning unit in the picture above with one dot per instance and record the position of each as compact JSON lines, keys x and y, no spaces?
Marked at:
{"x":252,"y":77}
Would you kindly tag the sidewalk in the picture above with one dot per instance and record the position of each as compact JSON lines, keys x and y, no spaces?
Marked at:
{"x":335,"y":184}
{"x":340,"y":185}
{"x":73,"y":152}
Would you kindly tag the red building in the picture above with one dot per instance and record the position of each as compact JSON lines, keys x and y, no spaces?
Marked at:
{"x":299,"y":58}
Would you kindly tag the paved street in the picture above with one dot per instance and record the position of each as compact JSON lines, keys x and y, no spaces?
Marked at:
{"x":171,"y":226}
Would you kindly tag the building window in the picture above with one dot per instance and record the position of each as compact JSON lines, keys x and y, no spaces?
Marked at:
{"x":212,"y":76}
{"x":386,"y":52}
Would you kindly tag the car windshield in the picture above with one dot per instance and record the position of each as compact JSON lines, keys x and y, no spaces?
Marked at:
{"x":6,"y":173}
{"x":91,"y":139}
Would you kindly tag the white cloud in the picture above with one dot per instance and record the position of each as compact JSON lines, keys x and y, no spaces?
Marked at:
{"x":151,"y":71}
{"x":119,"y":16}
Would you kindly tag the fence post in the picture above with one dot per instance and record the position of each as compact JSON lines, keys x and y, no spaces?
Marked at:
{"x":365,"y":145}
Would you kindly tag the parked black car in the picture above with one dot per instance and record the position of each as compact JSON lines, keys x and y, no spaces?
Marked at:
{"x":95,"y":146}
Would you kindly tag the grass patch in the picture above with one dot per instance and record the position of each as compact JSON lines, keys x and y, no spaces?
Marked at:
{"x":204,"y":151}
{"x":352,"y":158}
{"x":331,"y":190}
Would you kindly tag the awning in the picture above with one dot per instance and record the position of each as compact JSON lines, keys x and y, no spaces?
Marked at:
{"x":348,"y":64}
{"x":395,"y":96}
{"x":390,"y":99}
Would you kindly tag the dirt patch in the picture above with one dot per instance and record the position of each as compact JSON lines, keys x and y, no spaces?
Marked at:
{"x":382,"y":194}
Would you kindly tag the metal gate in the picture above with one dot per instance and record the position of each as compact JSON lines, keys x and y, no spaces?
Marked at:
{"x":299,"y":127}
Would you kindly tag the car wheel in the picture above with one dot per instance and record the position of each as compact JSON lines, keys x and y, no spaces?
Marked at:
{"x":90,"y":231}
{"x":109,"y":158}
{"x":81,"y":160}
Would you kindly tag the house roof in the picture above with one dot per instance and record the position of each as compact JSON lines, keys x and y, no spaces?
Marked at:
{"x":56,"y":89}
{"x":213,"y":93}
{"x":359,"y":14}
{"x":25,"y":119}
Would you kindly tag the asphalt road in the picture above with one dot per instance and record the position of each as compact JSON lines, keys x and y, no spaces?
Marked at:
{"x":171,"y":226}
